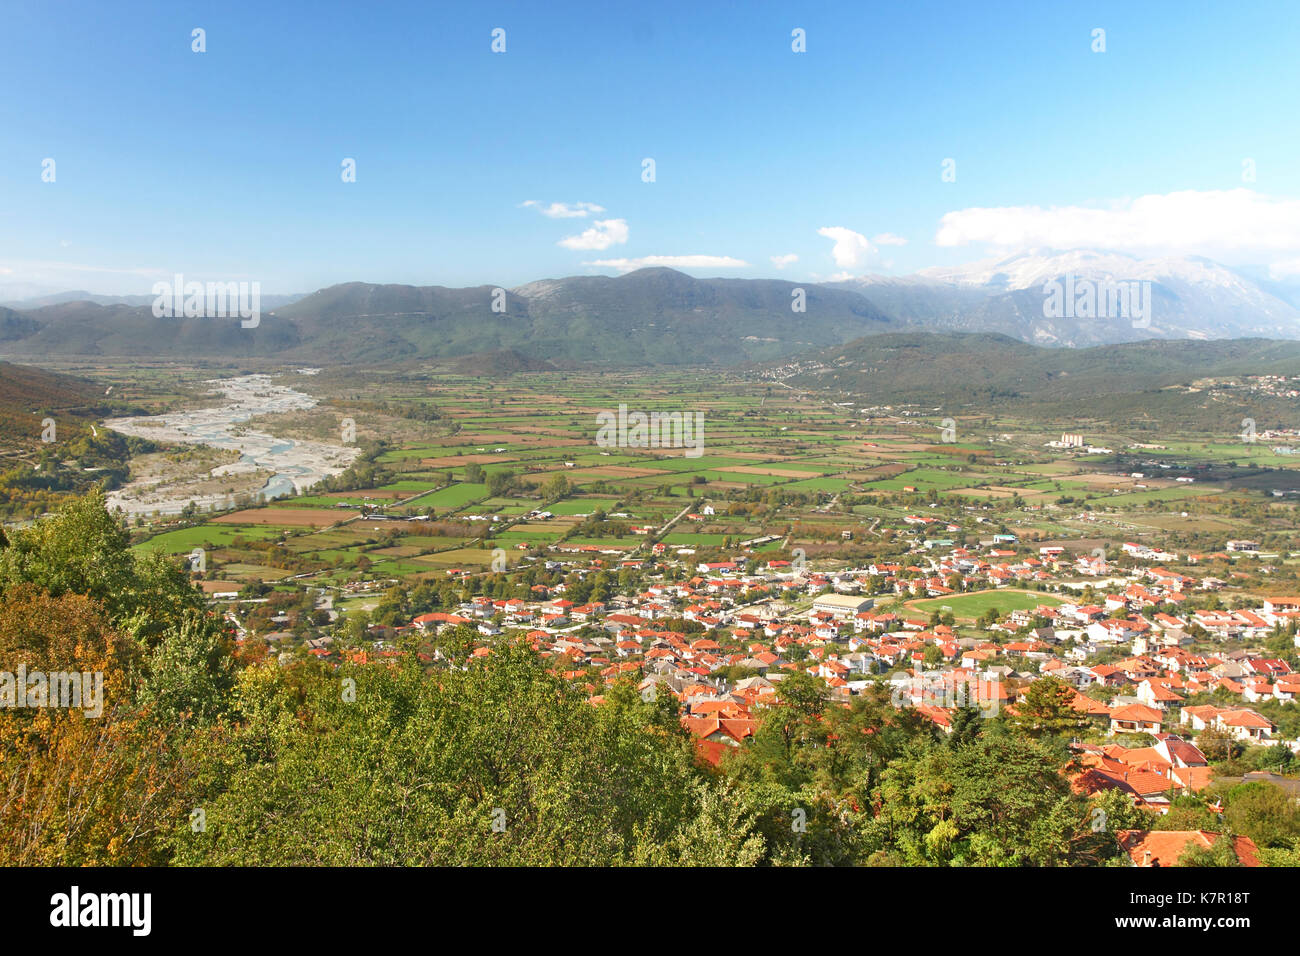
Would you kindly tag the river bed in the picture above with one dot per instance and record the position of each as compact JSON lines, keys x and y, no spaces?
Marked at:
{"x":293,"y":464}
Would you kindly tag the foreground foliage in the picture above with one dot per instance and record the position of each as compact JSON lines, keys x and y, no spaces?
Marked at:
{"x":207,"y":755}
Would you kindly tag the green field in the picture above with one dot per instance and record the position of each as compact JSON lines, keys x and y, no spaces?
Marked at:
{"x":809,"y":469}
{"x":969,"y":607}
{"x":207,"y":536}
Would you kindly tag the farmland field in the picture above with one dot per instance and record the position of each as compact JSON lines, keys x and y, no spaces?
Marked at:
{"x":780,"y":469}
{"x":969,"y":607}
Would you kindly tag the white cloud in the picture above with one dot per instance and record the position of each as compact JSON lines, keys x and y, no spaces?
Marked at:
{"x":1205,"y":222}
{"x":563,"y":210}
{"x":851,"y":248}
{"x":602,"y":234}
{"x":782,"y":261}
{"x":888,"y":239}
{"x":671,"y":262}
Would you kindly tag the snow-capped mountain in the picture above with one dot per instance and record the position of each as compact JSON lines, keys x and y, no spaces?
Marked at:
{"x":1189,"y":296}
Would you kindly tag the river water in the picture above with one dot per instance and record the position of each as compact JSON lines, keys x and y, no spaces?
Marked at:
{"x":295,"y":465}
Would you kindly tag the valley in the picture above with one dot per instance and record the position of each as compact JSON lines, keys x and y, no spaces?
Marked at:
{"x":782,"y":470}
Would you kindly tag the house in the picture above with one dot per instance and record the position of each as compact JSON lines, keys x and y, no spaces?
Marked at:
{"x":1246,"y":725}
{"x":1240,"y":722}
{"x":729,"y":731}
{"x":1156,"y":693}
{"x":1089,"y":707}
{"x":1165,"y":848}
{"x":1135,"y":719}
{"x":1108,"y":676}
{"x":1179,"y":752}
{"x":1116,"y":630}
{"x":1146,"y":786}
{"x":437,"y":620}
{"x":1274,"y":607}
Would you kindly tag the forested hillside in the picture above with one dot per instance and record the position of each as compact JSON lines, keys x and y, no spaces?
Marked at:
{"x":49,"y":445}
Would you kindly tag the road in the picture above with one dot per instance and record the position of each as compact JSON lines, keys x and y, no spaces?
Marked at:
{"x":667,"y":527}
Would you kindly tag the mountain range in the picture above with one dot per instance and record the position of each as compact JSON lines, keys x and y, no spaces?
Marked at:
{"x":647,"y":317}
{"x":660,"y":316}
{"x":1192,"y":297}
{"x":80,"y":295}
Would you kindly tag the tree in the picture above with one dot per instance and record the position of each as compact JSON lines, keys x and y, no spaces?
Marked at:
{"x":1047,"y":710}
{"x":80,"y":789}
{"x":1109,"y":813}
{"x":802,"y":693}
{"x":189,"y":675}
{"x":1000,"y":801}
{"x":1187,"y":813}
{"x":500,"y":482}
{"x":1218,"y":745}
{"x":80,"y":550}
{"x":413,"y":770}
{"x":1220,"y":853}
{"x":555,"y":487}
{"x":1263,"y":812}
{"x":967,"y":725}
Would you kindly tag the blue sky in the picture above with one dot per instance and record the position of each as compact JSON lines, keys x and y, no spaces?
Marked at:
{"x":226,"y":164}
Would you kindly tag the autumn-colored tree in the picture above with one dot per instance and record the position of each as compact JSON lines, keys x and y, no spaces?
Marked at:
{"x":80,"y":788}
